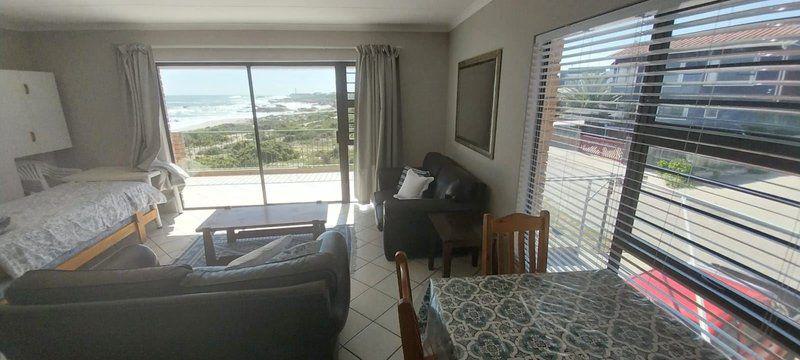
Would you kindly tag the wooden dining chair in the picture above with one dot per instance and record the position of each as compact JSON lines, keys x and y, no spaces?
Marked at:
{"x":409,"y":324}
{"x":508,"y":243}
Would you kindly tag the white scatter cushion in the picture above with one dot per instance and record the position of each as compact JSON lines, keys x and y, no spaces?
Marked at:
{"x":413,"y":186}
{"x":406,"y":169}
{"x":263,"y":254}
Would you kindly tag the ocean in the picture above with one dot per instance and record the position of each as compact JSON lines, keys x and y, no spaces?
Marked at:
{"x":191,"y":112}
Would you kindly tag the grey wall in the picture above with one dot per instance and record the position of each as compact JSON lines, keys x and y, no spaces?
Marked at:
{"x":85,"y":68}
{"x":14,"y":51}
{"x":511,"y":25}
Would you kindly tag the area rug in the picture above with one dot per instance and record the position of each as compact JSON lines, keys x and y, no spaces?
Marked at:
{"x":195,"y":255}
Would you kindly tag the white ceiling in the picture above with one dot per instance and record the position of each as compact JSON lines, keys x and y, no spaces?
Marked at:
{"x":411,"y":15}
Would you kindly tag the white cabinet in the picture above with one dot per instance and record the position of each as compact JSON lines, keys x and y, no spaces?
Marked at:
{"x":31,"y":122}
{"x":31,"y":118}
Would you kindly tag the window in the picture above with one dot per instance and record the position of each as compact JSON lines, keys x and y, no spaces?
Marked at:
{"x":664,"y":139}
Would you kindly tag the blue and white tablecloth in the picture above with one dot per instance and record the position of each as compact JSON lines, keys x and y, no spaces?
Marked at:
{"x":575,"y":315}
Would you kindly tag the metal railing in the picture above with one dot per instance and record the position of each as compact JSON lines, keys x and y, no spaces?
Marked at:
{"x":236,"y":150}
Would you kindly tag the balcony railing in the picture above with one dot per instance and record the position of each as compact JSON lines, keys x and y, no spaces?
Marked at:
{"x":221,"y":151}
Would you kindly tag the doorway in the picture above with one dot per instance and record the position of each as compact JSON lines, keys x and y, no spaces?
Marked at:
{"x":261,"y":133}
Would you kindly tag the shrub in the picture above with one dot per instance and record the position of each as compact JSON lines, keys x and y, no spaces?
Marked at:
{"x":678,"y":165}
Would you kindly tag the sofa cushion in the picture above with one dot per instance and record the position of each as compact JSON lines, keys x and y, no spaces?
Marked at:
{"x":263,"y":254}
{"x":41,"y":287}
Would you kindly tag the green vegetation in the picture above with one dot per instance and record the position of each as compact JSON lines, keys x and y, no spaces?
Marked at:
{"x":307,"y":139}
{"x":679,"y":165}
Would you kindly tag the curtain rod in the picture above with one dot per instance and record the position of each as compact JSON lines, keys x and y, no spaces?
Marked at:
{"x":289,"y":47}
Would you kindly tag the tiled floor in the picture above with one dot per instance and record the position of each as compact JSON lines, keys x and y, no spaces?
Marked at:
{"x":372,"y":330}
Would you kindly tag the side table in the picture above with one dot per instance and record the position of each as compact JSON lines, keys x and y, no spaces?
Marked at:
{"x":456,"y":230}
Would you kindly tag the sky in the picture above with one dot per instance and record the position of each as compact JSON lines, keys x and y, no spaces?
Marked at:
{"x":267,"y":81}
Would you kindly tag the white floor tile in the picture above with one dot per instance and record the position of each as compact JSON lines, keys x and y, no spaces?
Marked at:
{"x":418,"y":270}
{"x":345,"y":354}
{"x":374,"y":343}
{"x":370,"y":274}
{"x":390,"y":320}
{"x":372,"y":303}
{"x":369,"y":252}
{"x":386,"y":264}
{"x":398,"y":355}
{"x":355,"y":323}
{"x":388,"y":286}
{"x":357,"y":288}
{"x":358,"y":262}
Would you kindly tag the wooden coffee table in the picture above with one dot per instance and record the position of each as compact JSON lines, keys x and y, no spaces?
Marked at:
{"x":259,"y":221}
{"x":457,"y":230}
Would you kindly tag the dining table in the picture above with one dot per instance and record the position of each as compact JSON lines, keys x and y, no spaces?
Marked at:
{"x":567,"y":315}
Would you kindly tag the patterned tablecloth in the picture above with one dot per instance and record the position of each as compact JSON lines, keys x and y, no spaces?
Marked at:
{"x":575,"y":315}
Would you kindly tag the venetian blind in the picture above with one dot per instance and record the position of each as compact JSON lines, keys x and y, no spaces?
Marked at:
{"x":664,"y":139}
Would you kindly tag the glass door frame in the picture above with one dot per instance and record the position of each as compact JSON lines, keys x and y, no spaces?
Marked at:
{"x":343,"y":140}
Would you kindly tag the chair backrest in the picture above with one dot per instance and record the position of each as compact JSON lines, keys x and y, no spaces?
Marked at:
{"x":409,"y":324}
{"x":508,"y":243}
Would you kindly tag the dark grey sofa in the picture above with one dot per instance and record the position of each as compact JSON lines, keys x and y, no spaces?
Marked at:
{"x":292,"y":309}
{"x":405,"y":223}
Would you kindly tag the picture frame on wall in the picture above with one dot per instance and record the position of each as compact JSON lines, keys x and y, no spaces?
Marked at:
{"x":476,"y":102}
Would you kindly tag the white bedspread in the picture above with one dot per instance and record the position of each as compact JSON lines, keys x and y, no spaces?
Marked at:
{"x":51,"y":223}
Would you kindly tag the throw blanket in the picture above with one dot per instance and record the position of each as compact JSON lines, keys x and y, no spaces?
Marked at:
{"x":49,"y":224}
{"x":177,"y":176}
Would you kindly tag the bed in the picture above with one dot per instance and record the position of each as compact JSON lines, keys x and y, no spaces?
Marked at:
{"x":67,"y":225}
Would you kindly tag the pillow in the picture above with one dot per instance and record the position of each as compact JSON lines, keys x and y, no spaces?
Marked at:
{"x":406,"y":169}
{"x":413,"y":186}
{"x":264,"y":253}
{"x":300,"y":250}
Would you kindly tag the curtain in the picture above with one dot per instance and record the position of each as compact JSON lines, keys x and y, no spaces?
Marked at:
{"x":138,"y":68}
{"x":378,"y":128}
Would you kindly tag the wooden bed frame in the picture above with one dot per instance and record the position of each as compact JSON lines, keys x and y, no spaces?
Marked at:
{"x":137,"y":225}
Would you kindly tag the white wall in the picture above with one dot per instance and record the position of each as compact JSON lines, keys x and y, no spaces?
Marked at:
{"x":510,"y":25}
{"x":84,"y":65}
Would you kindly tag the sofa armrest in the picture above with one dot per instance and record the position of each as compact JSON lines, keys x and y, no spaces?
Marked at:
{"x":388,"y":178}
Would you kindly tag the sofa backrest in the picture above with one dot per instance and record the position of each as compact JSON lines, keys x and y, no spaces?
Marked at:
{"x":434,"y":162}
{"x":46,"y":287}
{"x":281,"y":323}
{"x":452,"y":181}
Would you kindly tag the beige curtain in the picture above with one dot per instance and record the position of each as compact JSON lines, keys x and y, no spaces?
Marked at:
{"x":139,"y":71}
{"x":378,"y":127}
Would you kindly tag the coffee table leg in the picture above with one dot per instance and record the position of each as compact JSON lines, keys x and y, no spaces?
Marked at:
{"x":208,"y":244}
{"x":447,"y":257}
{"x":231,"y":236}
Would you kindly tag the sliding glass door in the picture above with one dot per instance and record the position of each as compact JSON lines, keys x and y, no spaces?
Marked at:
{"x":257,"y":133}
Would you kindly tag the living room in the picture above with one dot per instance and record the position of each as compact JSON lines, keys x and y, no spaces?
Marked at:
{"x":399,"y":180}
